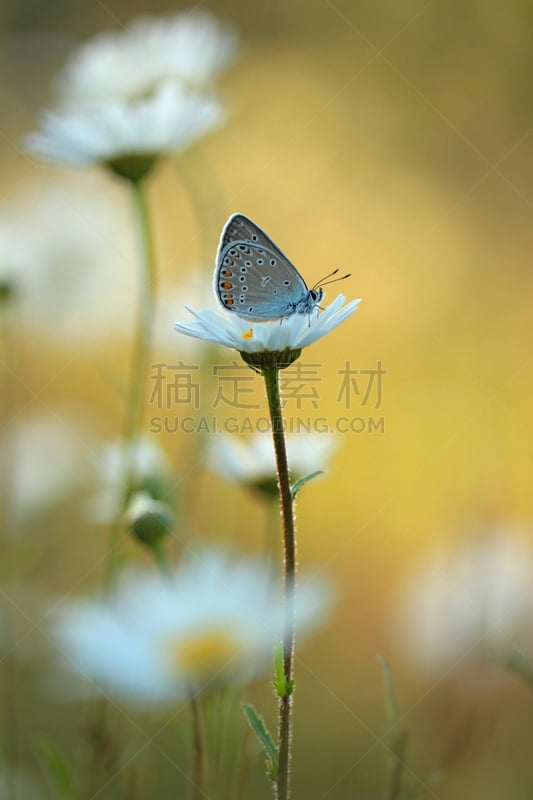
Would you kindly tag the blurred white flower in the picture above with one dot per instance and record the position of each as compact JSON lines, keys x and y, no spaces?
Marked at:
{"x":291,"y":333}
{"x":190,"y":47}
{"x":168,"y":120}
{"x":45,"y":457}
{"x":476,"y":599}
{"x":214,"y":623}
{"x":68,"y":261}
{"x":252,"y":462}
{"x":151,"y":470}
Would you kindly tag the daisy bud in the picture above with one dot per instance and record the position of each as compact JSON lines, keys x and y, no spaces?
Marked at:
{"x":7,"y":292}
{"x":148,"y":520}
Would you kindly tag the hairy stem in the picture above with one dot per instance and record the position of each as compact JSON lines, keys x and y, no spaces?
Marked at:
{"x":271,"y":376}
{"x":197,"y":751}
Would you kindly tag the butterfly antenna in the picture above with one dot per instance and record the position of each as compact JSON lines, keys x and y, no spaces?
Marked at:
{"x":326,"y":280}
{"x":321,"y":281}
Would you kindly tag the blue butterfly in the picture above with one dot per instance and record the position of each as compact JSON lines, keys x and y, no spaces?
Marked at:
{"x":256,"y":280}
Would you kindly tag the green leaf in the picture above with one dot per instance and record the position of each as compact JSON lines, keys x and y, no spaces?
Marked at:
{"x":258,"y":725}
{"x":282,"y":686}
{"x":396,"y":737}
{"x":279,"y":671}
{"x":391,"y":703}
{"x":59,"y":769}
{"x":295,"y":488}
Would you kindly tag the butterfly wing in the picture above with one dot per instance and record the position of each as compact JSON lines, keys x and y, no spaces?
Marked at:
{"x":253,"y":277}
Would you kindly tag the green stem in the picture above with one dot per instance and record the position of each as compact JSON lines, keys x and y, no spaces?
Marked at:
{"x":396,"y":764}
{"x":11,"y":731}
{"x":271,"y":537}
{"x":8,"y":324}
{"x":197,"y":751}
{"x":197,"y":772}
{"x":397,"y":738}
{"x":10,"y":378}
{"x":140,"y":365}
{"x":160,"y":558}
{"x":271,"y":376}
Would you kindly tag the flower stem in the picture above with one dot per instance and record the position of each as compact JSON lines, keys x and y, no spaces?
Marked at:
{"x":198,"y":768}
{"x":9,"y":378}
{"x":160,"y":558}
{"x":140,"y":364}
{"x":271,"y":375}
{"x":271,"y":550}
{"x":197,"y":751}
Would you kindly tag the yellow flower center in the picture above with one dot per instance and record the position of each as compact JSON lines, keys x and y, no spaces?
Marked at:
{"x":248,"y":334}
{"x":205,"y":653}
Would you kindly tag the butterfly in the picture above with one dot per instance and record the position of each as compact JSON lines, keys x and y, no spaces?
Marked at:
{"x":256,"y":280}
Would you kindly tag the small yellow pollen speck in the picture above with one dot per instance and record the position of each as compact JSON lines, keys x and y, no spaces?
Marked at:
{"x":204,"y":653}
{"x":248,"y":334}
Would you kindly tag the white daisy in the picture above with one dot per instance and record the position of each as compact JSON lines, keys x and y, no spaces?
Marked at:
{"x":152,"y":474}
{"x":190,"y":47}
{"x":290,"y":333}
{"x":213,"y":623}
{"x":252,"y":461}
{"x":170,"y":119}
{"x":460,"y":604}
{"x":68,"y":260}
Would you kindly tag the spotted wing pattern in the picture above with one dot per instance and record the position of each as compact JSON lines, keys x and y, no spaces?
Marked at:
{"x":254,"y":278}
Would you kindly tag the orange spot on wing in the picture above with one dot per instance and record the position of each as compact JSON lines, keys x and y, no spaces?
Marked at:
{"x":226,"y":285}
{"x":248,"y":334}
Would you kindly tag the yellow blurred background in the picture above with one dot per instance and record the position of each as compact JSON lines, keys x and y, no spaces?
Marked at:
{"x":391,"y":140}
